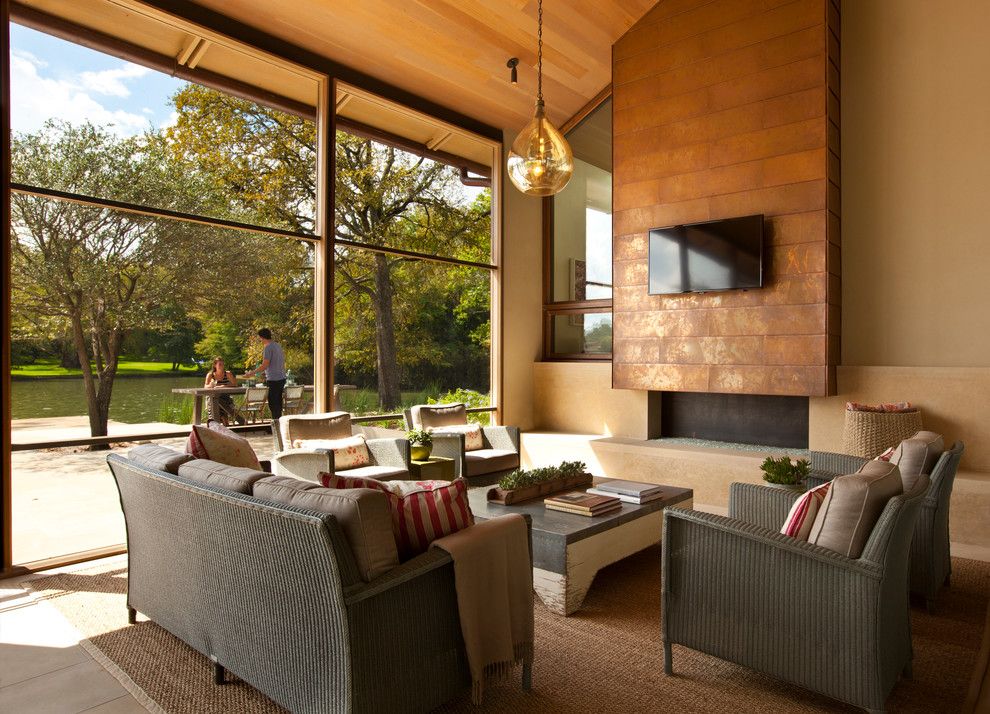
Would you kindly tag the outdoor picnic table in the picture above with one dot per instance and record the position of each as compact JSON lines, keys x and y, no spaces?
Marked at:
{"x":197,"y":393}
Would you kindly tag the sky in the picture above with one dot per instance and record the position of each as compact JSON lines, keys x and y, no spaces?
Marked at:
{"x":51,"y":78}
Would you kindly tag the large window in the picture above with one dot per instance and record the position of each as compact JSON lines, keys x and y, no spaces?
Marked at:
{"x":578,"y":320}
{"x":156,"y":224}
{"x":410,"y":327}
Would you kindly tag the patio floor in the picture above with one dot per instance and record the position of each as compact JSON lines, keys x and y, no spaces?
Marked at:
{"x":64,"y":501}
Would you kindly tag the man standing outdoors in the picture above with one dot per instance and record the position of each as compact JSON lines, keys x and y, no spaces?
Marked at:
{"x":273,"y":365}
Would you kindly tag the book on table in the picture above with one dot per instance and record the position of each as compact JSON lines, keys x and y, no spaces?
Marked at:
{"x":617,"y":487}
{"x":582,"y":503}
{"x":635,"y":500}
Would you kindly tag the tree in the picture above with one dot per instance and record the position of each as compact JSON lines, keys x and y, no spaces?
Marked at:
{"x":98,"y":273}
{"x":266,"y":162}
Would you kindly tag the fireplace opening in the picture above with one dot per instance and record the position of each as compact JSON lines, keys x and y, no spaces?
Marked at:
{"x":759,"y":419}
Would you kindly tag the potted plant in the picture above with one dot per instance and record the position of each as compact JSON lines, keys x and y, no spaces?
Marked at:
{"x":420,"y":444}
{"x":521,"y":485}
{"x":785,"y":472}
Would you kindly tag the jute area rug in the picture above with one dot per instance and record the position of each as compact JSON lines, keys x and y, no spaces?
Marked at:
{"x":606,"y":658}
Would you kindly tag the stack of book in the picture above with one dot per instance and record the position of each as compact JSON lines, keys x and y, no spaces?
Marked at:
{"x":628,"y":491}
{"x":582,"y":503}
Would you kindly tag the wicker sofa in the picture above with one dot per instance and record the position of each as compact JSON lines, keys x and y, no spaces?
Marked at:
{"x":273,"y":594}
{"x":738,"y":589}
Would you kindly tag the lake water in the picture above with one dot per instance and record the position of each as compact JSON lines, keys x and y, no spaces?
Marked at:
{"x":135,"y":400}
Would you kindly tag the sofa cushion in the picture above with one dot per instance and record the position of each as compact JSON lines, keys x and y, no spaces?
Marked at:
{"x":425,"y":416}
{"x":473,"y":439}
{"x":422,"y":511}
{"x":232,"y":478}
{"x":363,"y":515}
{"x":486,"y":461}
{"x":853,"y":505}
{"x":160,"y":458}
{"x":380,"y":473}
{"x":917,"y":455}
{"x":333,"y":425}
{"x":348,"y":453}
{"x":217,"y":443}
{"x":802,"y":514}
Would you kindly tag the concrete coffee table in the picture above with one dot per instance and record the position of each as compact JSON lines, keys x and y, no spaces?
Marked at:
{"x":569,"y":549}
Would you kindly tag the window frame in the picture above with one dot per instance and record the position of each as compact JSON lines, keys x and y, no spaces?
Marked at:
{"x":568,"y":307}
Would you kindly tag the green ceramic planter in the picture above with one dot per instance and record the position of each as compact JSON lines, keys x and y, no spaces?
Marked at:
{"x":419,"y":452}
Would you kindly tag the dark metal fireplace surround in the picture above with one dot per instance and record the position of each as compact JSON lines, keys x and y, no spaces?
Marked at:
{"x":760,"y":419}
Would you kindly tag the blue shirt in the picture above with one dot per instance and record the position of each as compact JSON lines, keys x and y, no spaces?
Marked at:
{"x":276,"y":362}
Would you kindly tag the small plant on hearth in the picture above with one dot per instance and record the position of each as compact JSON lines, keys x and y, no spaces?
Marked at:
{"x":785,"y":471}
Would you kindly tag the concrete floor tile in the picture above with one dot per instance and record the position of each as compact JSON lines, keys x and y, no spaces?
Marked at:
{"x":123,"y":705}
{"x":67,"y":691}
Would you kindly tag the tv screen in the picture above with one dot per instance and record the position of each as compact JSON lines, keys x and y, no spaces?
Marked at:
{"x":715,"y":255}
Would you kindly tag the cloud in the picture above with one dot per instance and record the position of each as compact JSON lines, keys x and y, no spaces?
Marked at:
{"x":110,"y":82}
{"x":36,"y":98}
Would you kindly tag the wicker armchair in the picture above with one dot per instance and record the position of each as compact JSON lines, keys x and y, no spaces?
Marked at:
{"x":389,"y":457}
{"x":480,"y":467}
{"x":931,"y":565}
{"x":736,"y":588}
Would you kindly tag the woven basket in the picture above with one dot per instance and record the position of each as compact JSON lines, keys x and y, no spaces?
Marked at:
{"x":869,"y":434}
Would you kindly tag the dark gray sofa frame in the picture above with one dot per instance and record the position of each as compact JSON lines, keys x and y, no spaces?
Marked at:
{"x":272,"y":594}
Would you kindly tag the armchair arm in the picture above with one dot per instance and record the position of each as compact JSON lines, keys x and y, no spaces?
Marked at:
{"x":761,"y":505}
{"x":451,"y":446}
{"x":502,"y":437}
{"x":302,"y":463}
{"x":837,"y":464}
{"x":430,"y":560}
{"x":389,"y":452}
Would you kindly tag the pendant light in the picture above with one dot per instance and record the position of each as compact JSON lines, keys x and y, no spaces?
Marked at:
{"x":540,"y":161}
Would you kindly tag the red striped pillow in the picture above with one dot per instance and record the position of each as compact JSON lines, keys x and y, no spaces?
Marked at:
{"x":422,"y":511}
{"x":799,"y":521}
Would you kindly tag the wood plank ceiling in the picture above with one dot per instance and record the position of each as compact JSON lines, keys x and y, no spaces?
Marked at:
{"x":453,"y":52}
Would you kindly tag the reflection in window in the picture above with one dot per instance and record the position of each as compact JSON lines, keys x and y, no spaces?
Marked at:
{"x":582,"y":334}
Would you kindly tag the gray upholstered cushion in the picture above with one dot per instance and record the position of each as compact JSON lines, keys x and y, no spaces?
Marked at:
{"x":486,"y":461}
{"x":333,"y":425}
{"x":852,"y":507}
{"x":917,"y":455}
{"x":425,"y":416}
{"x":381,"y":473}
{"x":211,"y":473}
{"x":362,"y":513}
{"x":161,"y":458}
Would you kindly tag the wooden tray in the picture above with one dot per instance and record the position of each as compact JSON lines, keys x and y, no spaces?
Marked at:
{"x":539,"y":490}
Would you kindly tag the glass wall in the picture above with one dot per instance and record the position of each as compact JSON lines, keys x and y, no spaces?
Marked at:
{"x":408,"y":328}
{"x":581,"y":245}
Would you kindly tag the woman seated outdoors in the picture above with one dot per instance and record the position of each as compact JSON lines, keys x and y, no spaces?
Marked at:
{"x":221,"y":406}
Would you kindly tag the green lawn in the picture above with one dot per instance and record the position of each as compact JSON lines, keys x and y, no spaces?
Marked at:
{"x":52,"y":369}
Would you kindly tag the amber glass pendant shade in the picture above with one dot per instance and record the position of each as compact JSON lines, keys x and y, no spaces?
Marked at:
{"x":540,"y":160}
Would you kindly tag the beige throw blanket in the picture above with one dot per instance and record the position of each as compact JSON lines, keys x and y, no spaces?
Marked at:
{"x":493,"y":574}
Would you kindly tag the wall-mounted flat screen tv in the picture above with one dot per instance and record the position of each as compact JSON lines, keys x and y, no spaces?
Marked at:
{"x":715,"y":255}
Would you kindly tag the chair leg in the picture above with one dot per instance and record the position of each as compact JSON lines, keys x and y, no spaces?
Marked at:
{"x":131,"y":615}
{"x":668,"y":659}
{"x":218,"y":673}
{"x":527,"y":676}
{"x":948,"y":577}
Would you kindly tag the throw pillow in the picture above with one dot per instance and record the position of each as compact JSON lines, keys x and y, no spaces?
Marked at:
{"x":427,"y":415}
{"x":473,"y":439}
{"x":422,"y":511}
{"x":802,"y":515}
{"x":348,"y":453}
{"x":218,"y":443}
{"x":162,"y":458}
{"x":917,"y":455}
{"x":852,"y":507}
{"x":885,"y":456}
{"x":362,"y":514}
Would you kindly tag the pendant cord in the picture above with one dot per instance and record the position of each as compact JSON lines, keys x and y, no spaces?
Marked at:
{"x":539,"y":61}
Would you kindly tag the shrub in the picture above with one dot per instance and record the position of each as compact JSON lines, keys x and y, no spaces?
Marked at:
{"x":784,"y":471}
{"x":175,"y":409}
{"x":470,"y":398}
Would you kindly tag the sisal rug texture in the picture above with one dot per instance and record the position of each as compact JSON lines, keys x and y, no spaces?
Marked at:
{"x":606,"y":658}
